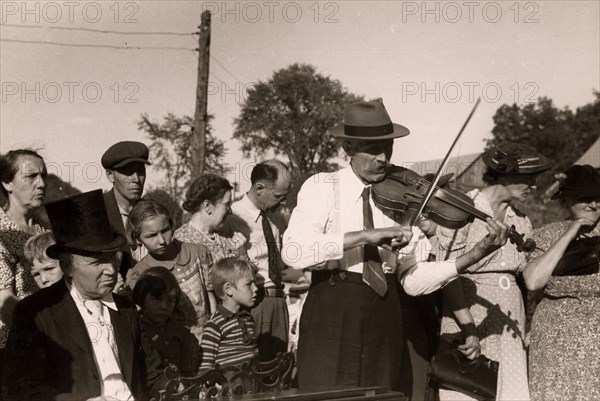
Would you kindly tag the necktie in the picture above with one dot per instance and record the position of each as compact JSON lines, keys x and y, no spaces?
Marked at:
{"x":94,"y":308}
{"x":372,"y":270}
{"x":274,"y":272}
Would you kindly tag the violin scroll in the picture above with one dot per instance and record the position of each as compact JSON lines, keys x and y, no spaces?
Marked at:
{"x":523,"y":245}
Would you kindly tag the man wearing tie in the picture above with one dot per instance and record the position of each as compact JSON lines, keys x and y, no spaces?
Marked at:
{"x":351,"y":329}
{"x":76,"y":340}
{"x":255,"y":216}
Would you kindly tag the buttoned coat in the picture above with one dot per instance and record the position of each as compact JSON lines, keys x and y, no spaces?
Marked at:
{"x":49,"y":353}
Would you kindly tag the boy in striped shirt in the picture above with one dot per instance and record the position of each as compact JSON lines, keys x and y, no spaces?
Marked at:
{"x":228,"y":338}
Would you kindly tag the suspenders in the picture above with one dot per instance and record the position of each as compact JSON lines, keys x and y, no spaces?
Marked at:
{"x":335,"y":219}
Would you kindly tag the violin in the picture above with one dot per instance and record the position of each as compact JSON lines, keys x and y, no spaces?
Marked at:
{"x":402,"y":192}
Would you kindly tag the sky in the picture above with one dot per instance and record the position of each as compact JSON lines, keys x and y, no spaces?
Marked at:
{"x":428,"y":60}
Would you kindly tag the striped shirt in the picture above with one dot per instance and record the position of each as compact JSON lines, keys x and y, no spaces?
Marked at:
{"x":228,"y":339}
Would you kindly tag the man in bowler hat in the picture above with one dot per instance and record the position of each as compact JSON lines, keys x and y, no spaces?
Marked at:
{"x":76,"y":340}
{"x":125,"y":163}
{"x":351,"y":327}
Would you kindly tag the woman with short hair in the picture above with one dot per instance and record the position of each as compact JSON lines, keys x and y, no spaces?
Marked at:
{"x":23,"y":184}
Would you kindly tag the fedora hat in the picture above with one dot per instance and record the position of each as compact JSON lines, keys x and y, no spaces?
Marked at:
{"x":581,"y":182}
{"x":368,"y":121}
{"x":515,"y":158}
{"x":80,"y":223}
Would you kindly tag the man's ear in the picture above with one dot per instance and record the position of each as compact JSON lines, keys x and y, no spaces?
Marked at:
{"x":110,"y":175}
{"x":260,"y":187}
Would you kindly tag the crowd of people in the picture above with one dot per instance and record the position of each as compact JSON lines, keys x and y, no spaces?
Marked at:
{"x":97,"y":303}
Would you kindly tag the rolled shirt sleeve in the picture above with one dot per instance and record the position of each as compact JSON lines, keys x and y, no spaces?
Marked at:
{"x":416,"y":274}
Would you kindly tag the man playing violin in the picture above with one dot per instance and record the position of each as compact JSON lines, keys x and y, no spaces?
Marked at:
{"x":351,"y":325}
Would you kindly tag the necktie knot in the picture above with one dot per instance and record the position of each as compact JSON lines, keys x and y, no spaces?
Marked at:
{"x":365,"y":194}
{"x":93,"y":307}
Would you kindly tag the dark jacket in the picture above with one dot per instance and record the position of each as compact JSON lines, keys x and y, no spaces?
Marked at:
{"x":49,"y":353}
{"x":116,"y":223}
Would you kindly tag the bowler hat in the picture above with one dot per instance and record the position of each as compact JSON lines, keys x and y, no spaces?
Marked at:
{"x":515,"y":158}
{"x":368,"y":121}
{"x":581,"y":182}
{"x":80,"y":223}
{"x":123,"y":153}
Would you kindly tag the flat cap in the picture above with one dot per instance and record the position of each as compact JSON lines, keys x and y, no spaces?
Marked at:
{"x":123,"y":153}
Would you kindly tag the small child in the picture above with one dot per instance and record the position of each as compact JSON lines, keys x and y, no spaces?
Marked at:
{"x":44,"y":270}
{"x":229,"y":338}
{"x":152,"y":226}
{"x":157,"y":293}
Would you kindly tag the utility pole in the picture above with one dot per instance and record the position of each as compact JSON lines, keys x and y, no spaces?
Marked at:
{"x":198,"y":144}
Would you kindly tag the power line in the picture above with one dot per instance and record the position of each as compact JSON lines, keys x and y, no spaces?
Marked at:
{"x":95,"y":46}
{"x":116,"y":47}
{"x":225,"y":68}
{"x":99,"y":30}
{"x":221,"y":81}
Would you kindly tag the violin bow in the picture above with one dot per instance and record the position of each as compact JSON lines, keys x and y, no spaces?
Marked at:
{"x":438,"y":174}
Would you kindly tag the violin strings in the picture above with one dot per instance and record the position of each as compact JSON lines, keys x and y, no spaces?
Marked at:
{"x":467,"y":208}
{"x":472,"y":210}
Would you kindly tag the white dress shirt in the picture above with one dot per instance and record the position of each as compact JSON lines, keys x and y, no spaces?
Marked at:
{"x":329,"y":205}
{"x":247,"y":220}
{"x":106,"y":354}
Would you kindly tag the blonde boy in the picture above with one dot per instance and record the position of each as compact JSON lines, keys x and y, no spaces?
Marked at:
{"x":229,"y":338}
{"x":45,"y":271}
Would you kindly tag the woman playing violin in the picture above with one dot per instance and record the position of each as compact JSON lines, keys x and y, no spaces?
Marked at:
{"x":488,"y":290}
{"x":564,"y":356}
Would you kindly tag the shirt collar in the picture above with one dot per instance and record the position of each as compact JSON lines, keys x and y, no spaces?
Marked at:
{"x":184,"y":255}
{"x":227,"y":314}
{"x":353,"y":186}
{"x":252,"y":210}
{"x":107,"y":300}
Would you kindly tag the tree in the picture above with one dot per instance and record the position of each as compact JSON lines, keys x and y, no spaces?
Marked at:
{"x":291,"y":114}
{"x":561,"y":135}
{"x":170,"y":151}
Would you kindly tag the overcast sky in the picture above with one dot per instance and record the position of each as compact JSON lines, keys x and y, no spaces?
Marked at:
{"x":429,"y":61}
